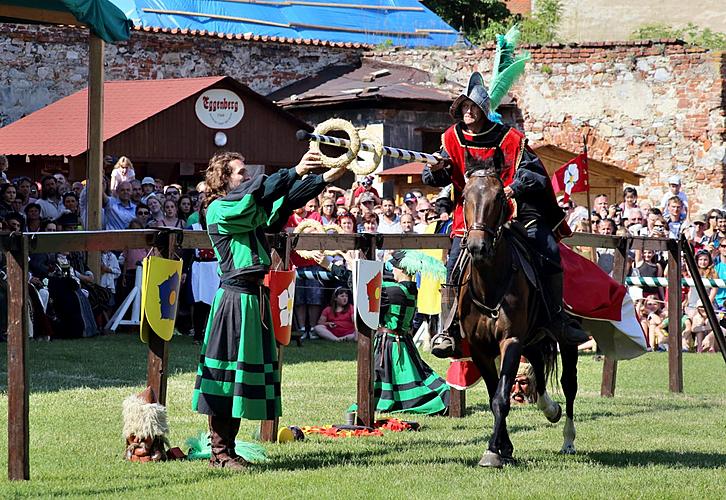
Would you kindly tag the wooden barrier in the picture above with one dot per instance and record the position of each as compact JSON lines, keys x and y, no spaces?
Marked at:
{"x":17,"y":247}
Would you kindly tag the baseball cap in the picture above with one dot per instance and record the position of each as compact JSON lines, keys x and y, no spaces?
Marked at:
{"x":340,"y":200}
{"x":366,"y":197}
{"x":367,"y":181}
{"x":700,"y":218}
{"x":409,"y":197}
{"x":148,"y":180}
{"x":674,"y":179}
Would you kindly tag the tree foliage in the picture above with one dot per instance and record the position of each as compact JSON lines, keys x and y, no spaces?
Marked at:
{"x":475,"y":13}
{"x":541,"y":26}
{"x":691,"y":33}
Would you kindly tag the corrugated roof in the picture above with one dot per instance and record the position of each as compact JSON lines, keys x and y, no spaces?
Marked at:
{"x":405,"y":23}
{"x":412,"y":168}
{"x":372,"y":80}
{"x":59,"y":129}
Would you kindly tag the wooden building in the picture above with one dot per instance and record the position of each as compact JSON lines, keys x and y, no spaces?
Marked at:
{"x":605,"y":178}
{"x":168,"y":128}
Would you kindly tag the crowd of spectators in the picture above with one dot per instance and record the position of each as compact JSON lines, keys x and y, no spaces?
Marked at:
{"x":669,"y":219}
{"x":57,"y":204}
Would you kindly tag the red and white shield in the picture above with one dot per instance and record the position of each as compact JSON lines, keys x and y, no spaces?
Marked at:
{"x":282,"y":299}
{"x":367,"y":282}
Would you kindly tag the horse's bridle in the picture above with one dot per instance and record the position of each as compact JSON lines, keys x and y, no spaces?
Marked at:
{"x":496,"y":232}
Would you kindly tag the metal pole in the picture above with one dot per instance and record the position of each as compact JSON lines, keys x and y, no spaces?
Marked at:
{"x":703,"y":295}
{"x":401,"y":154}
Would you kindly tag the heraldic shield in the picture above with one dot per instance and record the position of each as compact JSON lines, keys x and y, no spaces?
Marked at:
{"x":367,"y":283}
{"x":159,"y":296}
{"x":282,"y":299}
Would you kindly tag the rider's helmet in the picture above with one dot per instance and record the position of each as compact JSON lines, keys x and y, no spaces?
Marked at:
{"x":475,"y":92}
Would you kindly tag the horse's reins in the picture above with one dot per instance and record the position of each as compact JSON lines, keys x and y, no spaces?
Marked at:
{"x":495,"y":234}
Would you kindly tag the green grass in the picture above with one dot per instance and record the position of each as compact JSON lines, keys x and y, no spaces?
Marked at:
{"x":644,"y":443}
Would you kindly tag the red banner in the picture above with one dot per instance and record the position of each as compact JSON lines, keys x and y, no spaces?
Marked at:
{"x":572,"y":177}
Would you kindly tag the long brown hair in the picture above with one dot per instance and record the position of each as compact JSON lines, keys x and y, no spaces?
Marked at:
{"x":218,"y":175}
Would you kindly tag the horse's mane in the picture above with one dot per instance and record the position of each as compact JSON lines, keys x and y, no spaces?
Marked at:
{"x":494,"y":162}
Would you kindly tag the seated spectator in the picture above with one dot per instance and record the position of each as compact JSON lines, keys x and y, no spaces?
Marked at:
{"x":370,"y":223}
{"x":336,"y":320}
{"x":7,"y":197}
{"x":630,"y":199}
{"x":70,"y":203}
{"x":675,"y":217}
{"x":143,"y":214}
{"x":32,"y":217}
{"x":156,"y":212}
{"x":389,"y":221}
{"x":327,"y":210}
{"x":700,"y":329}
{"x":406,"y":223}
{"x":123,"y":171}
{"x":119,"y":210}
{"x":170,"y":218}
{"x":366,"y":186}
{"x":674,"y":190}
{"x":657,"y":335}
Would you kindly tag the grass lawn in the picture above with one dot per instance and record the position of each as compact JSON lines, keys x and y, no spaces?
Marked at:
{"x":644,"y":443}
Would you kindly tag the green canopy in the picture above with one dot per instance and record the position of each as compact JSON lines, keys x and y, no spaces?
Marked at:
{"x":104,"y":19}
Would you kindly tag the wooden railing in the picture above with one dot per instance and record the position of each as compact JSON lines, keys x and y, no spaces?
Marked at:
{"x":17,"y":247}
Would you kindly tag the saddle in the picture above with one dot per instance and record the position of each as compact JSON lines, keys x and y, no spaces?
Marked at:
{"x":525,"y":258}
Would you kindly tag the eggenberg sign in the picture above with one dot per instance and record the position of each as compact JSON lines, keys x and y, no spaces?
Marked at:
{"x":219,"y":108}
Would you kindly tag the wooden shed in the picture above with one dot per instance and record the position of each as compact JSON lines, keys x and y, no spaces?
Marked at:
{"x":605,"y":178}
{"x":168,"y":128}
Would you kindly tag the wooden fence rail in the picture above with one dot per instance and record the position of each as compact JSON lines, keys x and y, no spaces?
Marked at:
{"x":17,"y":247}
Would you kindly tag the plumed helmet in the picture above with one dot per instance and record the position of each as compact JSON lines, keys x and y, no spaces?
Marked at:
{"x":476,"y":92}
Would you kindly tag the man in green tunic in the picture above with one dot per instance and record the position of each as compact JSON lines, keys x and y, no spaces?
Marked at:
{"x":238,"y":374}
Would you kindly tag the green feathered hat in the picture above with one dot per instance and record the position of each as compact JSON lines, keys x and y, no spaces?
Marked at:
{"x":414,"y":261}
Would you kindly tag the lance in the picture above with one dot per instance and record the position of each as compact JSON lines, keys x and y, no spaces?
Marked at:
{"x":401,"y":154}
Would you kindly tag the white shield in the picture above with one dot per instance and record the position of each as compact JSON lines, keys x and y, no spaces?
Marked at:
{"x":367,"y":282}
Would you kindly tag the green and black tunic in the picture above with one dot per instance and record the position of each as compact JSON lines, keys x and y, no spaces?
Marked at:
{"x":403,"y":381}
{"x":238,"y":374}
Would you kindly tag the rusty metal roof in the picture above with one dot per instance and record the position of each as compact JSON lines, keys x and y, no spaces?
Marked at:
{"x":373,"y":80}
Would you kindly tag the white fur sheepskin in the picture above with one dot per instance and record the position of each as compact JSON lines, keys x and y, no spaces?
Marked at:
{"x":143,"y":419}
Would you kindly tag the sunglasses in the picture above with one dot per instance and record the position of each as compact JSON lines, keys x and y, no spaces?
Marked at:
{"x":658,"y":226}
{"x":172,"y":192}
{"x":143,"y":212}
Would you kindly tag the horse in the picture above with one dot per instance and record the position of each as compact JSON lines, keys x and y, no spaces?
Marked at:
{"x":502,"y":314}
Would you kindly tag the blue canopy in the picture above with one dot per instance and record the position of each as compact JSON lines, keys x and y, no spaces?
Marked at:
{"x":398,"y":22}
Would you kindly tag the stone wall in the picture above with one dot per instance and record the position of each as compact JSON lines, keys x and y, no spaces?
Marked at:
{"x":656,"y":108}
{"x":39,"y":65}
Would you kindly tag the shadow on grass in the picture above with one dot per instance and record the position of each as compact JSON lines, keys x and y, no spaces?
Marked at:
{"x":119,"y":360}
{"x":668,"y":458}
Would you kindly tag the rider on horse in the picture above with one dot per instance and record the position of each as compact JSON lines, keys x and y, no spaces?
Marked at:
{"x":527,"y":186}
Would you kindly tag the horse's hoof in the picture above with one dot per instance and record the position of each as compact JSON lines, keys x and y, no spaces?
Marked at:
{"x":556,"y":418}
{"x":568,"y":450}
{"x":491,"y":459}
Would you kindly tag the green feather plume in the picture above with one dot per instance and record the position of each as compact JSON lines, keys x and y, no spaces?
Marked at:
{"x":419,"y":262}
{"x":507,"y":67}
{"x":200,"y":448}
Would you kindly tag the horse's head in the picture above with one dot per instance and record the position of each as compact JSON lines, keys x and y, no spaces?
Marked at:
{"x":485,"y":205}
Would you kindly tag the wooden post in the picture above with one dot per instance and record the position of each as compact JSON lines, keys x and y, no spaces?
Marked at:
{"x":610,"y":366}
{"x":18,"y":390}
{"x":675,"y":356}
{"x":158,"y":356}
{"x":280,"y":257}
{"x":366,"y":402}
{"x":94,"y":167}
{"x":457,"y":403}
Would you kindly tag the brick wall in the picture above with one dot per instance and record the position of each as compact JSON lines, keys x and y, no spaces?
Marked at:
{"x":656,"y":108}
{"x":41,"y":64}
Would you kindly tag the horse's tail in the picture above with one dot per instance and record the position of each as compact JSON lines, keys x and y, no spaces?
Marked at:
{"x":549,"y":355}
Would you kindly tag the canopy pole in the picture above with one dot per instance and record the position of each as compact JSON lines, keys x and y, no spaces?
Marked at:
{"x":94,"y":166}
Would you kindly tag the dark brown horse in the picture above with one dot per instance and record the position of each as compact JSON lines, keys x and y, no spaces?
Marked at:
{"x":500,"y":311}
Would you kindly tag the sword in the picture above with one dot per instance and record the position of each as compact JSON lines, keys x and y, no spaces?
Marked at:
{"x":401,"y":154}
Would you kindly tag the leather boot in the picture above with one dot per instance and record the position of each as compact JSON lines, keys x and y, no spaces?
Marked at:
{"x":222,"y":432}
{"x":445,"y":343}
{"x":565,"y":328}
